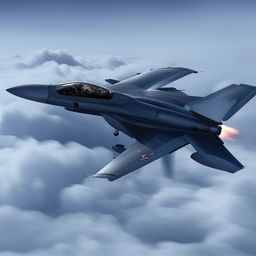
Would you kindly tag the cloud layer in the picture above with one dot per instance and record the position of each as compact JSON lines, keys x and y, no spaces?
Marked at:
{"x":50,"y":205}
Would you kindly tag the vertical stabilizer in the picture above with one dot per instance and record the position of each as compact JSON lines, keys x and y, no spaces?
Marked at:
{"x":223,"y":104}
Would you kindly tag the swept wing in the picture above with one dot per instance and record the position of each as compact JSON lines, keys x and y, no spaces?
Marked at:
{"x":152,"y":79}
{"x":140,"y":154}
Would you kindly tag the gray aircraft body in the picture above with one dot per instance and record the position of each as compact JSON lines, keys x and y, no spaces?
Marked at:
{"x":161,"y":119}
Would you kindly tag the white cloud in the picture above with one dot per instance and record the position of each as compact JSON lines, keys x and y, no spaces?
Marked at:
{"x":34,"y":173}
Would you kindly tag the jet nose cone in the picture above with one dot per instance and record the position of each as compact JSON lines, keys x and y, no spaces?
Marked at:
{"x":31,"y":92}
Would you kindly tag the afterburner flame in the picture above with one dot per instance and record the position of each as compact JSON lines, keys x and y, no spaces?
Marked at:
{"x":229,"y":133}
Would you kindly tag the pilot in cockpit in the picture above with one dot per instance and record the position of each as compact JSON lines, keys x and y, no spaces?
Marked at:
{"x":84,"y":90}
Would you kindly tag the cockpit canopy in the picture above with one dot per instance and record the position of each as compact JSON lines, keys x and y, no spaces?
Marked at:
{"x":80,"y":89}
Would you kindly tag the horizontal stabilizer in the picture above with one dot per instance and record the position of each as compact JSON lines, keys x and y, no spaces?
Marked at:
{"x":112,"y":81}
{"x":223,"y":104}
{"x":211,"y":152}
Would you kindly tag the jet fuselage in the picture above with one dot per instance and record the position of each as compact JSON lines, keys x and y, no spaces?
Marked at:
{"x":142,"y":111}
{"x":160,"y":119}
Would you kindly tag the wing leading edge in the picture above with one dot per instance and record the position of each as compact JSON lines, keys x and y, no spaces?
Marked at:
{"x":138,"y":155}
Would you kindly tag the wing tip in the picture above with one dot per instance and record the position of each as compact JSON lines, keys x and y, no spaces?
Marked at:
{"x":187,"y":69}
{"x":107,"y":176}
{"x":181,"y":68}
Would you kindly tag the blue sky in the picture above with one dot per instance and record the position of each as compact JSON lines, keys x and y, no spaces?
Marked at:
{"x":49,"y":205}
{"x":126,"y":28}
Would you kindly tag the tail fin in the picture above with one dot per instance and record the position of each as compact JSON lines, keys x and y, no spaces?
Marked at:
{"x":223,"y":104}
{"x":211,"y":152}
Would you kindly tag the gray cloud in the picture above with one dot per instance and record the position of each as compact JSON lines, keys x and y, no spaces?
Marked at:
{"x":60,"y":57}
{"x":37,"y":177}
{"x":173,"y":216}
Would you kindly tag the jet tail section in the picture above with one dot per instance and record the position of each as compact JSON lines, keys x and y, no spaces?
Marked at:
{"x":223,"y":104}
{"x":211,"y":152}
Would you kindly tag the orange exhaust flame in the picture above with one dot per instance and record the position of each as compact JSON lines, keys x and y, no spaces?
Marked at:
{"x":229,"y":133}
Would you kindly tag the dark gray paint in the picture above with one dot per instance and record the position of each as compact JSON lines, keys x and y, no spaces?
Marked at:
{"x":162,"y":120}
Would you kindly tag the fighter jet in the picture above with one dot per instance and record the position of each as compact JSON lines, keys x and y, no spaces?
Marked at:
{"x":160,"y":119}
